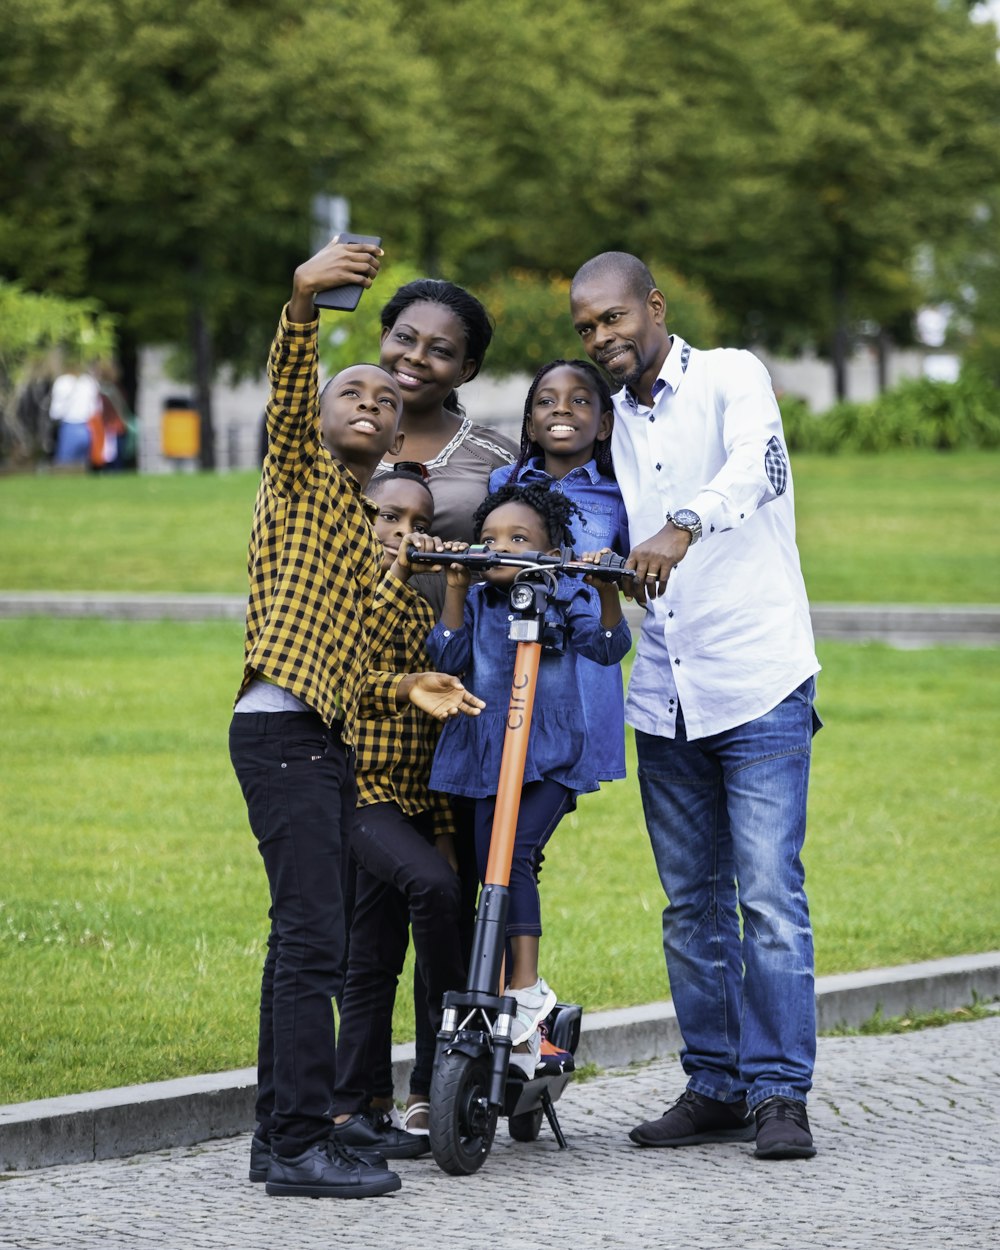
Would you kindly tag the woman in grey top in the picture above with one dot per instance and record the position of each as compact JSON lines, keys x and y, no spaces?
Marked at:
{"x":434,"y":338}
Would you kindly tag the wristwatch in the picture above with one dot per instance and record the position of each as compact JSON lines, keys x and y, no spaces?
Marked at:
{"x":687,"y":519}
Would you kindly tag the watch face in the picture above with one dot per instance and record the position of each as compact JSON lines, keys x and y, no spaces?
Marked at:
{"x":685,"y":517}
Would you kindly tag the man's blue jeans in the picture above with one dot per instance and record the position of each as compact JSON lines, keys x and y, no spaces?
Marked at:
{"x":726,"y":817}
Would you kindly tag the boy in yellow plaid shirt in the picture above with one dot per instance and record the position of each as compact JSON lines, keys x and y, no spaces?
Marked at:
{"x":319,"y":610}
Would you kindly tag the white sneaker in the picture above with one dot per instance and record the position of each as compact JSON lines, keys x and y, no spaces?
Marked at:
{"x":533,"y":1004}
{"x":526,"y":1061}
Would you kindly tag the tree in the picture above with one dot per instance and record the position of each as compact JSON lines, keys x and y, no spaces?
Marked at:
{"x":208,"y":126}
{"x":788,"y":159}
{"x":889,"y":140}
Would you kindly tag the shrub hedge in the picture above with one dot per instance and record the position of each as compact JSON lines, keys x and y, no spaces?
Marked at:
{"x":919,"y":413}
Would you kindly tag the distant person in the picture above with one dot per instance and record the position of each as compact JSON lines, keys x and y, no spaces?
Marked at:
{"x":318,"y":610}
{"x":109,"y":427}
{"x":74,"y":405}
{"x":721,"y":698}
{"x":564,"y":759}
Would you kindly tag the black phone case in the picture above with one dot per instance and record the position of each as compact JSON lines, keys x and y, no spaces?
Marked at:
{"x":345,"y":298}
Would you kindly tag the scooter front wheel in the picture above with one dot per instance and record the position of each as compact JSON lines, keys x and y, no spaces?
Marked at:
{"x":462,"y":1122}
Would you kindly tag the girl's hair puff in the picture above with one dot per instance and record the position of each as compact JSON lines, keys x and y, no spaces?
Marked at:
{"x":476,"y":321}
{"x":555,"y":509}
{"x":597,"y":380}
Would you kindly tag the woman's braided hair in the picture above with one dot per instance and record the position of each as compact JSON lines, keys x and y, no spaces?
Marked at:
{"x":552,"y":506}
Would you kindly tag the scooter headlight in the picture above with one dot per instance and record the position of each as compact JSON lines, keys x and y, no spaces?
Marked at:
{"x":522,"y":597}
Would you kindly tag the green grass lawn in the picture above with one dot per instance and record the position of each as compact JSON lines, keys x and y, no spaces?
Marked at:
{"x":908,"y":527}
{"x":132,"y":903}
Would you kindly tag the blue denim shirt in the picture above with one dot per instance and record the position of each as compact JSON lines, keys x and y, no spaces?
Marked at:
{"x":604,"y":524}
{"x":560,"y":746}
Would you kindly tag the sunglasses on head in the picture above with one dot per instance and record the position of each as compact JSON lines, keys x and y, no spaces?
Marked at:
{"x":412,"y":466}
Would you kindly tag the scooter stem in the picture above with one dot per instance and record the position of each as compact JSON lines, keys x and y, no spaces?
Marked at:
{"x":515,"y":751}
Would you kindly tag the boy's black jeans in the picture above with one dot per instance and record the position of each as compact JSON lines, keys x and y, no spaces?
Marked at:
{"x":402,"y":879}
{"x":298,"y":781}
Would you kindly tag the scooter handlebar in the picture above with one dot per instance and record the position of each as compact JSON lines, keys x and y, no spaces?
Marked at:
{"x":610,"y":567}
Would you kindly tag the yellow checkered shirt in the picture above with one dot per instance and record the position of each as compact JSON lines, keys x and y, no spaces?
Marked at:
{"x":318,"y":609}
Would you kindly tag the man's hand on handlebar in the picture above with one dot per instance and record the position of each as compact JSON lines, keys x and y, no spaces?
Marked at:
{"x":654,"y":561}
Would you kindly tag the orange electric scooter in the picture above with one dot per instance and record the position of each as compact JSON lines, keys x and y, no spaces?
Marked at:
{"x":472,"y":1084}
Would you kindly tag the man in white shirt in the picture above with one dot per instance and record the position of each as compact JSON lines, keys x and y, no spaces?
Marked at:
{"x":75,"y":401}
{"x":721,"y":699}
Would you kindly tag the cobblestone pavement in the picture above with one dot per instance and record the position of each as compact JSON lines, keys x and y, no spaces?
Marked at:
{"x":908,"y":1130}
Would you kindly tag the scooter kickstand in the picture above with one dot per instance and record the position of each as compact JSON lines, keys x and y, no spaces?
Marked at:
{"x":548,"y":1106}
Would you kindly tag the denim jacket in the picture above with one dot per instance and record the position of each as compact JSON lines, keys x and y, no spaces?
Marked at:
{"x":561,"y":746}
{"x":604,"y":524}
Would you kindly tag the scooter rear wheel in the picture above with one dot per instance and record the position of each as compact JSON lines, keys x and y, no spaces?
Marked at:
{"x":462,"y":1123}
{"x":526,"y":1126}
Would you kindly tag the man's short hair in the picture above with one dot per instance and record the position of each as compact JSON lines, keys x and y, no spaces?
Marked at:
{"x":621,"y":266}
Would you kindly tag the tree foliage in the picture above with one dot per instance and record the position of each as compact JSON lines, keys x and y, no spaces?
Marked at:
{"x":785,"y":158}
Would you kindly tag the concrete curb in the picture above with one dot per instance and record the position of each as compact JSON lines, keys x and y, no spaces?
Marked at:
{"x":120,"y":1122}
{"x":901,"y":624}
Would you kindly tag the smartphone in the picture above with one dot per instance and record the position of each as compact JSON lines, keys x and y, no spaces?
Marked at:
{"x":345,"y":298}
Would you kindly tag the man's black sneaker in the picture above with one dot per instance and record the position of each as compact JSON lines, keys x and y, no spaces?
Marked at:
{"x":260,"y":1159}
{"x":694,"y":1119}
{"x":783,"y":1130}
{"x":328,"y":1170}
{"x":373,"y":1130}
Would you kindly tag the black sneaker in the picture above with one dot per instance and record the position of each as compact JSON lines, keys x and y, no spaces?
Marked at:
{"x":694,"y":1119}
{"x":327,"y":1170}
{"x":260,"y":1158}
{"x":373,"y":1130}
{"x":783,"y":1130}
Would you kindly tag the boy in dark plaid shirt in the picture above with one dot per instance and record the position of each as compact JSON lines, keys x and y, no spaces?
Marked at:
{"x":318,"y":610}
{"x":406,"y":873}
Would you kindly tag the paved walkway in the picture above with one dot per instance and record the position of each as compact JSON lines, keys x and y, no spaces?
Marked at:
{"x":907,"y":1126}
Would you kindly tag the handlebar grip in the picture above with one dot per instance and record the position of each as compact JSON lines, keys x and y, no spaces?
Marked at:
{"x":473,"y":558}
{"x":612,"y":560}
{"x":610,"y":563}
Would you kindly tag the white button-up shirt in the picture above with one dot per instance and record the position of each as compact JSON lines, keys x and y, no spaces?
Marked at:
{"x":732,"y":635}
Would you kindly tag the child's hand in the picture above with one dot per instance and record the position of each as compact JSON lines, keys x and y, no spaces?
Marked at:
{"x":607,"y":590}
{"x":401,"y":566}
{"x":442,"y":696}
{"x":594,"y":557}
{"x":458,"y":576}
